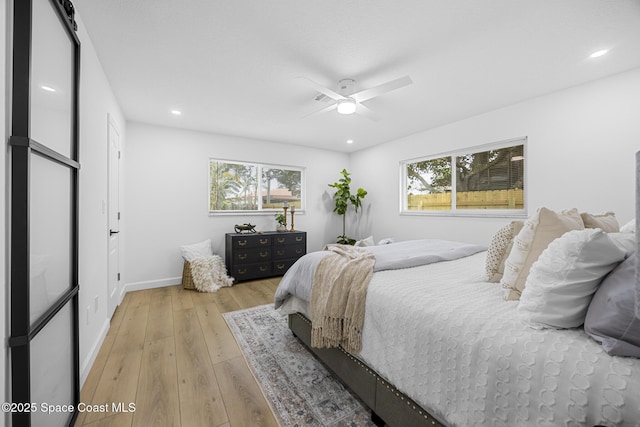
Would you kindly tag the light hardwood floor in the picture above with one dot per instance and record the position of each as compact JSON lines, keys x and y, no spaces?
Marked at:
{"x":170,"y":353}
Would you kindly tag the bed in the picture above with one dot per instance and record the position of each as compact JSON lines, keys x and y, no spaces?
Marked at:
{"x":440,"y":345}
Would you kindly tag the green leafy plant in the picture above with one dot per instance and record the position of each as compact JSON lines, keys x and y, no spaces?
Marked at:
{"x":343,"y":198}
{"x":280,"y":219}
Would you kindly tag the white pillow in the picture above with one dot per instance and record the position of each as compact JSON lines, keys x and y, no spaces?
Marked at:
{"x":563,"y":280}
{"x":197,"y":250}
{"x":365,"y":242}
{"x":499,"y":249}
{"x":538,"y":231}
{"x":625,"y":241}
{"x":386,"y":241}
{"x":629,"y":227}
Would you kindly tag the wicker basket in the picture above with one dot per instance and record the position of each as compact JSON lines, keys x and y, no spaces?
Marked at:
{"x":187,"y":280}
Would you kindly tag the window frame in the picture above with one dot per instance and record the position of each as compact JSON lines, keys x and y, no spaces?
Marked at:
{"x":259,"y":187}
{"x":454,"y":212}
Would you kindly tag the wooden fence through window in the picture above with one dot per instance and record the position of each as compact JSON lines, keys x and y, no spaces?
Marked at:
{"x":492,"y":199}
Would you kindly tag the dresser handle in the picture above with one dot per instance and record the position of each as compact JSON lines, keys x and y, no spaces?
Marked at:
{"x":243,"y":271}
{"x":298,"y":238}
{"x":263,"y":269}
{"x":264,"y":254}
{"x":280,"y":239}
{"x":280,"y":252}
{"x":280,"y":266}
{"x":299,"y":251}
{"x":242,"y":256}
{"x":264,"y":241}
{"x":242,"y":242}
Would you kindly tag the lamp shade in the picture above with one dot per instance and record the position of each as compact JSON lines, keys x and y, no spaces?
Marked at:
{"x":347,"y":106}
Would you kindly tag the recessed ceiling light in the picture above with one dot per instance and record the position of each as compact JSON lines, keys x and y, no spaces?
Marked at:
{"x":176,"y":112}
{"x":599,"y":53}
{"x":349,"y":141}
{"x":47,"y":88}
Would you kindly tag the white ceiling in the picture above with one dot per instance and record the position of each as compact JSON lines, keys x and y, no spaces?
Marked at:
{"x":232,"y":66}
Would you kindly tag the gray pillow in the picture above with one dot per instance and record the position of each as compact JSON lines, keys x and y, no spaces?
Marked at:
{"x":611,"y":317}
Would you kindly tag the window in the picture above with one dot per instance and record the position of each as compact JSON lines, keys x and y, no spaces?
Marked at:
{"x":487,"y":180}
{"x":241,"y":187}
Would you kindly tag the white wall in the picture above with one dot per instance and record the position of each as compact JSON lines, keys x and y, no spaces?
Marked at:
{"x":580,"y":154}
{"x":97,"y":101}
{"x":166,"y":196}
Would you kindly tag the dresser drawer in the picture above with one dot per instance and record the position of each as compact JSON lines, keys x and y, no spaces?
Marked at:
{"x":292,"y":251}
{"x":251,"y":241}
{"x":250,"y":271}
{"x":290,"y":239}
{"x":281,"y":267}
{"x":252,"y":255}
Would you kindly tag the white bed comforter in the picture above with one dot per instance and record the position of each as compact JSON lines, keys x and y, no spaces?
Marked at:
{"x":448,"y":340}
{"x":299,"y":278}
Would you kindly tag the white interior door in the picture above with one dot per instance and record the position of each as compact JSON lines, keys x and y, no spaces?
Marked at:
{"x":114,"y":283}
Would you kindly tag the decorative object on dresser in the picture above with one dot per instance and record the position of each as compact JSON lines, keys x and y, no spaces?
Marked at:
{"x":246,"y":228}
{"x":281,"y":222}
{"x":271,"y":253}
{"x":293,"y":211}
{"x":285,"y":206}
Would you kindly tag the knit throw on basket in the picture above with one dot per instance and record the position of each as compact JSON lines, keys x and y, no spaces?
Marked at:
{"x":338,"y":296}
{"x":209,"y":274}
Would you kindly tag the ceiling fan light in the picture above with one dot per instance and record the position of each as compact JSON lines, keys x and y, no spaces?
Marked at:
{"x":347,"y":106}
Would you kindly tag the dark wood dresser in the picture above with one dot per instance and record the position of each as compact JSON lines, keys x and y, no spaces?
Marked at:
{"x":256,"y":255}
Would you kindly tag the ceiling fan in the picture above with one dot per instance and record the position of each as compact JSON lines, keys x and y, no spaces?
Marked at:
{"x":346,"y":101}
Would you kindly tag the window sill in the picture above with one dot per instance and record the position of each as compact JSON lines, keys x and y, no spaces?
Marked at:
{"x":520,"y":214}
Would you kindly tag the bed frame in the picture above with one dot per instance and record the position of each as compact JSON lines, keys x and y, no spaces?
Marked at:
{"x":388,"y":405}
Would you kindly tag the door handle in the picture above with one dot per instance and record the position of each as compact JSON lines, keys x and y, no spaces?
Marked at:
{"x":111,"y":232}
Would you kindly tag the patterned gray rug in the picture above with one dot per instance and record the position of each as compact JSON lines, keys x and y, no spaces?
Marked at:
{"x":299,"y":389}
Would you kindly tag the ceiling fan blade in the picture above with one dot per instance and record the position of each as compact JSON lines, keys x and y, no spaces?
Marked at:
{"x":364,"y":111}
{"x":324,"y":110}
{"x":317,"y":86}
{"x":366,"y":94}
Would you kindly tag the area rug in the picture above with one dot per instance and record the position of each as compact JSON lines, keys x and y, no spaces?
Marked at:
{"x":299,"y":389}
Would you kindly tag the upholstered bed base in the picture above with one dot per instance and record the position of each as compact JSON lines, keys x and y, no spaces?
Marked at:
{"x":388,"y":405}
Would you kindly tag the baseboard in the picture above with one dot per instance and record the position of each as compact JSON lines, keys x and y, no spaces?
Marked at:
{"x":150,"y":284}
{"x":93,"y":353}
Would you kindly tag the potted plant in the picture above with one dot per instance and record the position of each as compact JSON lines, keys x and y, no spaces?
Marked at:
{"x":343,"y":198}
{"x":281,"y":222}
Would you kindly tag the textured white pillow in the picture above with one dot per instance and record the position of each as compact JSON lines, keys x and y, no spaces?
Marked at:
{"x":538,"y":231}
{"x":499,"y":249}
{"x":197,"y":250}
{"x":563,"y":280}
{"x":625,"y":241}
{"x":629,"y":227}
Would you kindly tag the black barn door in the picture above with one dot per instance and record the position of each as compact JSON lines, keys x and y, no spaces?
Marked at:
{"x":44,"y":214}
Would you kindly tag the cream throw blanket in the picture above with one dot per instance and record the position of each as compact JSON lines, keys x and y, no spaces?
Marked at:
{"x":338,"y":296}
